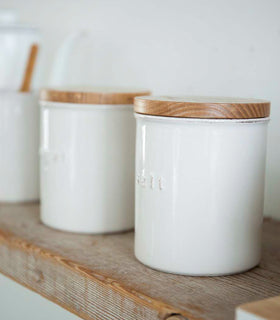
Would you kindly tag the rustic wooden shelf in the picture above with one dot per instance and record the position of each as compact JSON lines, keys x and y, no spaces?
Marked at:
{"x":98,"y":277}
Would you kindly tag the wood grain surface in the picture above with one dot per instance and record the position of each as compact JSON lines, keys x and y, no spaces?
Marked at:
{"x":92,"y":95}
{"x":268,"y":309}
{"x":27,"y":79}
{"x":203,"y":107}
{"x":97,"y":277}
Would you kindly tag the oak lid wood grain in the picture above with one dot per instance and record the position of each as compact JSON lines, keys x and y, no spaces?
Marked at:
{"x":92,"y":95}
{"x":202,"y":107}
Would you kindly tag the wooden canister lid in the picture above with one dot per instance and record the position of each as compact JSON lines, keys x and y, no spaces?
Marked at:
{"x":202,"y":107}
{"x":94,"y":95}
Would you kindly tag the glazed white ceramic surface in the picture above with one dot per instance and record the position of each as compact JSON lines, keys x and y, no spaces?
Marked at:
{"x":87,"y":167}
{"x":19,"y":145}
{"x":199,"y":194}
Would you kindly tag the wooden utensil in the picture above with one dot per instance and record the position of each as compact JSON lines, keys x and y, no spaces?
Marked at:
{"x":25,"y":87}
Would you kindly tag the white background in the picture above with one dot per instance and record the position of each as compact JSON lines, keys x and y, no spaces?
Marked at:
{"x":202,"y":47}
{"x":19,"y":303}
{"x":189,"y":47}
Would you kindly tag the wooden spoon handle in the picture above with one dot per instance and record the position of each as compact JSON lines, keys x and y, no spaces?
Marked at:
{"x":25,"y":87}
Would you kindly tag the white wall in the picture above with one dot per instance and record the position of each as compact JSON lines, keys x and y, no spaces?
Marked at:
{"x":199,"y":47}
{"x":17,"y":302}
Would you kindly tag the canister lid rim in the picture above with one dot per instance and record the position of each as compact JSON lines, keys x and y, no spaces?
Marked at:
{"x":92,"y":95}
{"x":202,"y":107}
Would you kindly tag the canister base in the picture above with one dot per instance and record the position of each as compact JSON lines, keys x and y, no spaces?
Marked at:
{"x":68,"y":230}
{"x":190,"y":274}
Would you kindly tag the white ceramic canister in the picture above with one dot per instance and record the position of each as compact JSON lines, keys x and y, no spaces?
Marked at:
{"x":87,"y":159}
{"x":200,"y":167}
{"x":19,"y":146}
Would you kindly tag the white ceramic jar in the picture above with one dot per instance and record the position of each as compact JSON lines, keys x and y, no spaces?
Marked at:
{"x":200,"y":166}
{"x":87,"y":159}
{"x":19,"y":146}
